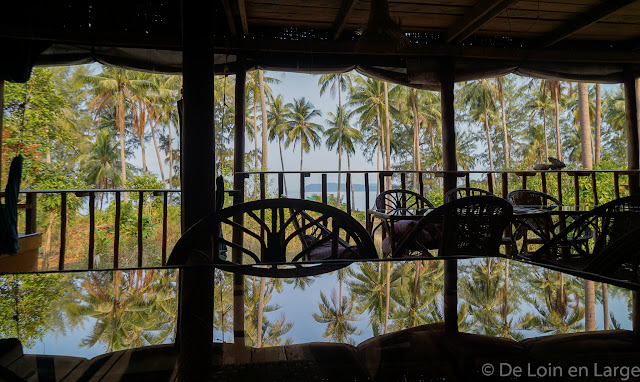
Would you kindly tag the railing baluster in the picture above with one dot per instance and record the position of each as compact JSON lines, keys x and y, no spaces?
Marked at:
{"x":616,"y":184}
{"x":505,"y":184}
{"x":595,"y":189}
{"x":381,"y":182}
{"x":31,"y":214}
{"x":92,"y":226}
{"x":544,"y":182}
{"x":403,"y":180}
{"x":302,"y":191}
{"x":116,"y":239}
{"x":420,"y":184}
{"x":576,"y":189}
{"x":165,"y":202}
{"x":467,"y":180}
{"x":560,"y":186}
{"x":366,"y":191}
{"x":280,"y":184}
{"x":263,"y":188}
{"x":348,"y":193}
{"x":63,"y":230}
{"x":325,"y":195}
{"x":140,"y":209}
{"x":524,"y":181}
{"x":490,"y":182}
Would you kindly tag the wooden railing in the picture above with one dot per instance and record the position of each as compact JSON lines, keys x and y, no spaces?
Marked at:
{"x":570,"y":187}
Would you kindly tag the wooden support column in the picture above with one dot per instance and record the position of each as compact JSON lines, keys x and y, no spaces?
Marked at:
{"x":1,"y":124}
{"x":197,"y":163}
{"x":450,"y":165}
{"x":238,"y":197}
{"x":633,"y":159}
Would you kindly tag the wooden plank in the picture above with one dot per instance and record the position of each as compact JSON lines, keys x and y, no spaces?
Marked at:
{"x":116,"y":234}
{"x":341,"y":18}
{"x":243,"y":17}
{"x":140,"y":227}
{"x":229,"y":15}
{"x":92,"y":228}
{"x":165,"y":197}
{"x":473,"y":20}
{"x":583,"y":20}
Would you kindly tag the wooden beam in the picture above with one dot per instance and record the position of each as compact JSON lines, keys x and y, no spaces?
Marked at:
{"x":478,"y":16}
{"x":633,"y":139}
{"x":600,"y":11}
{"x":243,"y":17}
{"x":341,"y":19}
{"x":230,"y":20}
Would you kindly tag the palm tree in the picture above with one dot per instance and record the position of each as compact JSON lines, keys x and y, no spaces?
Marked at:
{"x":278,"y":125}
{"x":167,"y":93}
{"x":101,"y":161}
{"x":115,"y":88}
{"x":143,"y":110}
{"x":500,"y":88}
{"x":419,"y":294}
{"x":539,"y":102}
{"x":342,"y":137}
{"x":556,"y":93}
{"x":479,"y":97}
{"x":301,"y":130}
{"x":341,"y":82}
{"x":338,"y":315}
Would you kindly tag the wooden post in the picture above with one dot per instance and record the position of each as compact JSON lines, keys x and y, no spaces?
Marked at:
{"x":633,"y":148}
{"x":1,"y":124}
{"x":633,"y":158}
{"x":449,"y":165}
{"x":238,"y":197}
{"x":197,"y":163}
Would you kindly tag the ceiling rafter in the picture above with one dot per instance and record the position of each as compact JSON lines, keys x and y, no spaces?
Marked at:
{"x":345,"y":11}
{"x":479,"y":15}
{"x":243,"y":17}
{"x":583,"y":20}
{"x":230,"y":20}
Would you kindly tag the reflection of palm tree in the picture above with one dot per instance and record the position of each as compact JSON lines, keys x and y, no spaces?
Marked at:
{"x":557,"y":313}
{"x":419,"y":296}
{"x":270,"y":332}
{"x":369,"y":285}
{"x":132,"y":308}
{"x":338,"y":316}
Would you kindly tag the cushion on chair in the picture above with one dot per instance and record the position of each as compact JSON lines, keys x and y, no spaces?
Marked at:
{"x":429,"y":236}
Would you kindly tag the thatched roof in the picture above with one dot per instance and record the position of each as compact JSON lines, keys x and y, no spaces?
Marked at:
{"x":591,"y":40}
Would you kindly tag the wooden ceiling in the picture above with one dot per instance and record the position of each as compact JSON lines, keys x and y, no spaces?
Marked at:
{"x":544,"y":21}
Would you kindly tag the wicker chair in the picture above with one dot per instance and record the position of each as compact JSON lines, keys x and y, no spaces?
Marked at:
{"x":281,"y":238}
{"x":467,"y":227}
{"x":522,"y":229}
{"x":611,"y":255}
{"x":463,"y":192}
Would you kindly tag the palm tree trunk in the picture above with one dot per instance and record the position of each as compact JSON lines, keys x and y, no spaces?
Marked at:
{"x":598,"y":120}
{"x":388,"y":135}
{"x":144,"y":156}
{"x":353,"y":193}
{"x":416,"y":134}
{"x":120,"y":127}
{"x":387,"y":297}
{"x":557,"y":112}
{"x":486,"y":127}
{"x":284,"y":179}
{"x":301,"y":154}
{"x":589,"y":306}
{"x":155,"y":144}
{"x":507,"y":155}
{"x":263,"y":106}
{"x":605,"y":305}
{"x":260,"y":312}
{"x":544,"y":128}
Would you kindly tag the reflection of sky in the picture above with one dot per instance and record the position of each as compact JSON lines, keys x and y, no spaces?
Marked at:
{"x":298,"y":307}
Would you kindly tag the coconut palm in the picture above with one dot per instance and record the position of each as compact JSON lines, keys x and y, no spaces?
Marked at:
{"x":500,"y":82}
{"x":101,"y":162}
{"x":340,"y":82}
{"x":115,"y":88}
{"x":342,"y":137}
{"x":538,"y":101}
{"x":301,"y":130}
{"x":338,"y":314}
{"x":479,"y":97}
{"x":419,"y":294}
{"x":166,"y":99}
{"x":278,"y":125}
